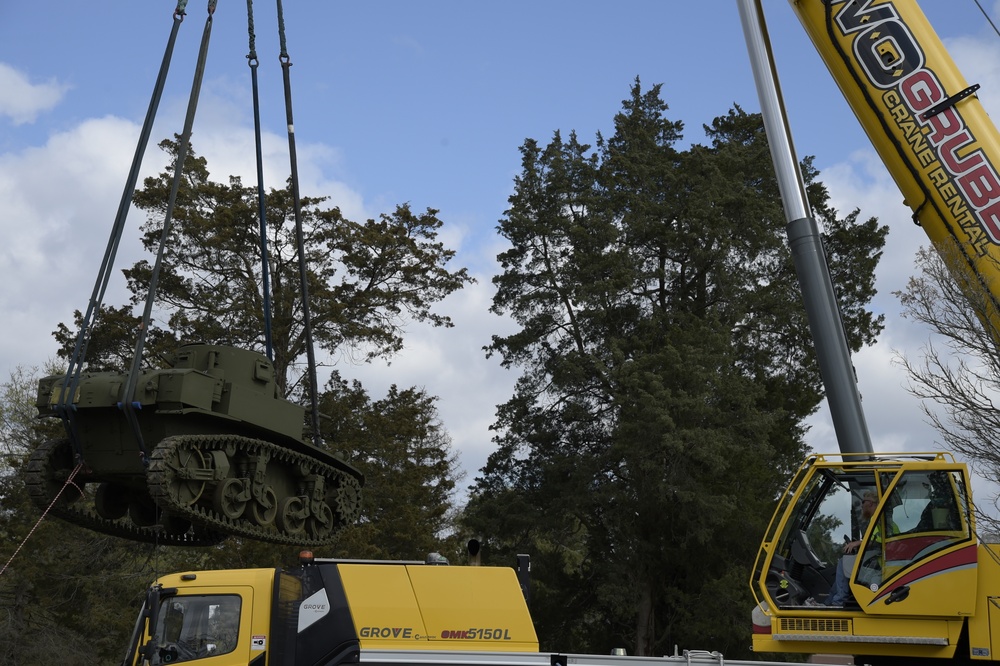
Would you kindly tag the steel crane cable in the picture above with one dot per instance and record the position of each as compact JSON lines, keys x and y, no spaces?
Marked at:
{"x":299,"y":235}
{"x":63,"y":405}
{"x":129,"y":404}
{"x":55,"y":498}
{"x":261,"y":199}
{"x":988,"y":19}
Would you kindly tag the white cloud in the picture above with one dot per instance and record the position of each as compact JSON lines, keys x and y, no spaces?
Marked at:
{"x":451,"y":364}
{"x":223,"y":134}
{"x":58,"y":202}
{"x":57,"y":207}
{"x":979,"y":62}
{"x":895,"y":418}
{"x":21,"y":100}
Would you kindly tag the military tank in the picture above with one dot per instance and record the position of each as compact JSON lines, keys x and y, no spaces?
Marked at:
{"x":221,"y":454}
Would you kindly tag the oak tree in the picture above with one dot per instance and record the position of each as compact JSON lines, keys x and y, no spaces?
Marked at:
{"x":367,"y":279}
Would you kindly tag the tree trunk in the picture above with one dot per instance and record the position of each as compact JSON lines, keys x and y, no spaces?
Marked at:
{"x":644,"y":630}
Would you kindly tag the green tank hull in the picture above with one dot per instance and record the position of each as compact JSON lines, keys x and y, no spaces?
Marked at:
{"x":222,"y":454}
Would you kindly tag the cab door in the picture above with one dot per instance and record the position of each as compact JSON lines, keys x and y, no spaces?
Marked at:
{"x":919,"y":554}
{"x":204,"y":625}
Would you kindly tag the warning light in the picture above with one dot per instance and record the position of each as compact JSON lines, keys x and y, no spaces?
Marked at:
{"x":305,"y":557}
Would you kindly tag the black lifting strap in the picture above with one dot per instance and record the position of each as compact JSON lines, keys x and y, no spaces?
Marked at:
{"x":299,"y":236}
{"x":261,"y":198}
{"x":129,"y":403}
{"x":64,"y":404}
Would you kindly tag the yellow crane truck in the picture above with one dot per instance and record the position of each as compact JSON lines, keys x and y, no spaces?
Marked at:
{"x":877,"y":556}
{"x":330,"y":612}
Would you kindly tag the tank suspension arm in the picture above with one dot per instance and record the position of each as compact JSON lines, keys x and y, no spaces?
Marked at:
{"x":261,"y":199}
{"x":129,"y":404}
{"x":299,"y":235}
{"x":70,"y":385}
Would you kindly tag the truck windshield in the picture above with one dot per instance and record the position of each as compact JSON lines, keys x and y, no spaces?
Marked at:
{"x":195,"y":626}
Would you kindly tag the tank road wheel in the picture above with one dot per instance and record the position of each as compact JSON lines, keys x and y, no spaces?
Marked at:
{"x":320,"y":524}
{"x":263,"y":514}
{"x":291,"y":516}
{"x":186,"y":466}
{"x":111,"y":501}
{"x":142,"y":511}
{"x":229,"y":498}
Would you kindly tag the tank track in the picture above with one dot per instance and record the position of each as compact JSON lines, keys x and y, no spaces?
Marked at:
{"x":48,"y":468}
{"x":255,"y":489}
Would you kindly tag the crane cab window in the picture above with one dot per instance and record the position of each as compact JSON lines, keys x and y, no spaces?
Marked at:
{"x":194,"y":627}
{"x":827,"y":514}
{"x":849,"y":531}
{"x":931,"y":510}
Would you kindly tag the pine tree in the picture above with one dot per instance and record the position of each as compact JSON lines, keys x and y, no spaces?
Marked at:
{"x":411,"y":471}
{"x":666,"y":372}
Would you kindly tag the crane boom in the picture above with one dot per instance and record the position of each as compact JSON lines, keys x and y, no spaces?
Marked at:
{"x":926,"y":123}
{"x":805,"y":242}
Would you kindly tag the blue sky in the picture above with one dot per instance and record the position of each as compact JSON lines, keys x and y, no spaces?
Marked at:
{"x":425,"y":103}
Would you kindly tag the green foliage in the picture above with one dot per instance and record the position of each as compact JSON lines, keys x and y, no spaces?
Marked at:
{"x":820,"y":533}
{"x":71,"y":596}
{"x":410,"y":470}
{"x":666,"y":372}
{"x":64,"y":591}
{"x":366,"y":279}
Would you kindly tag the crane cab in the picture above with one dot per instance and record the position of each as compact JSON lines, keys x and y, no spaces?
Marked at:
{"x":901,"y":531}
